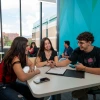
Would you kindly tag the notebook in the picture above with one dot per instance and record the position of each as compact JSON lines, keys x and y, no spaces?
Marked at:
{"x":74,"y":73}
{"x":57,"y":71}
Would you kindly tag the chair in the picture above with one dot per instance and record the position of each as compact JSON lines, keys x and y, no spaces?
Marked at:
{"x":94,"y":92}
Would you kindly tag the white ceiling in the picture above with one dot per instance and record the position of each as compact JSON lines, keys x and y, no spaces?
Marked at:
{"x":53,"y":1}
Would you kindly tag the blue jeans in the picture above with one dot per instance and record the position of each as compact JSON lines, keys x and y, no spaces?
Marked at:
{"x":15,"y":91}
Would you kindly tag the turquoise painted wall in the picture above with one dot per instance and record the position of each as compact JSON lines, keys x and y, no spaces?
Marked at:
{"x":77,"y":16}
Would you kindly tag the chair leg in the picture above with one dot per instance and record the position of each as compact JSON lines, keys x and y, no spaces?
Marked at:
{"x":94,"y":97}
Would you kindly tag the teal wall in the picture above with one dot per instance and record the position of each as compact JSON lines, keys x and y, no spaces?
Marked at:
{"x":77,"y":16}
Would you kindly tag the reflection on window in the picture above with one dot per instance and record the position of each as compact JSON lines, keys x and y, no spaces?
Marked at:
{"x":30,"y":14}
{"x":10,"y":21}
{"x":49,"y":18}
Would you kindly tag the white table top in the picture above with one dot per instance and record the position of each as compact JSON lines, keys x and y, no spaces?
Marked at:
{"x":60,"y":84}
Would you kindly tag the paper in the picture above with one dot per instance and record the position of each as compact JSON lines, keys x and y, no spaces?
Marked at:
{"x":57,"y":70}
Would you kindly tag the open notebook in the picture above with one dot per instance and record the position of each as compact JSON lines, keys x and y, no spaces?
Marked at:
{"x":57,"y":70}
{"x":66,"y":72}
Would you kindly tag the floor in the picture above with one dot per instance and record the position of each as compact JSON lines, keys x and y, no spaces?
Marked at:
{"x":67,"y":96}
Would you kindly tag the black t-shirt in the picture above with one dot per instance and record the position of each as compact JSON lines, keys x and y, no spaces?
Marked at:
{"x":53,"y":54}
{"x":90,"y":59}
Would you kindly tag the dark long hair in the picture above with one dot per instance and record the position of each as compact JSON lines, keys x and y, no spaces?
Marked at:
{"x":18,"y":48}
{"x":32,"y":44}
{"x":42,"y":46}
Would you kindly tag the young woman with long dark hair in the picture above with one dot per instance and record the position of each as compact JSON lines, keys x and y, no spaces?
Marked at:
{"x":46,"y":56}
{"x":33,"y":50}
{"x":11,"y":68}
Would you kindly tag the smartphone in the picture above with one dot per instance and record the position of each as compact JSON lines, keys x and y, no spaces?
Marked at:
{"x":41,"y":80}
{"x":72,"y":66}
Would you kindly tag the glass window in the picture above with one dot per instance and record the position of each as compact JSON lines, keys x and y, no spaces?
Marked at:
{"x":49,"y":21}
{"x":10,"y":21}
{"x":30,"y":15}
{"x":49,"y":18}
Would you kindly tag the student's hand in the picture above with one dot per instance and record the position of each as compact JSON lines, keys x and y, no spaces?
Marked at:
{"x":80,"y":67}
{"x":37,"y":71}
{"x":31,"y":69}
{"x":52,"y":64}
{"x":48,"y":63}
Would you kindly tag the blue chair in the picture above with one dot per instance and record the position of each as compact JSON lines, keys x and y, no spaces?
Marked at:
{"x":94,"y":92}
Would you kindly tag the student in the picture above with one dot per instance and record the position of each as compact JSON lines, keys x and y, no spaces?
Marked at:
{"x":46,"y":56}
{"x":33,"y":50}
{"x":67,"y":51}
{"x":11,"y":68}
{"x":88,"y":57}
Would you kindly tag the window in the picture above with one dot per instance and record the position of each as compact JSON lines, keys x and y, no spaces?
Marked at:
{"x":10,"y":21}
{"x":50,"y":22}
{"x":30,"y":15}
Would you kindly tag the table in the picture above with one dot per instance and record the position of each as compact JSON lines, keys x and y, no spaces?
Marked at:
{"x":60,"y":84}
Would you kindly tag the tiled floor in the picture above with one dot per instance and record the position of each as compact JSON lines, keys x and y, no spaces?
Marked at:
{"x":67,"y":96}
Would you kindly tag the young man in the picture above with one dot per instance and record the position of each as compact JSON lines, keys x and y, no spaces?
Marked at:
{"x":67,"y":51}
{"x":88,"y":57}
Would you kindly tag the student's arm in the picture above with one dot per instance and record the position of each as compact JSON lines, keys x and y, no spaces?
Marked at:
{"x":81,"y":67}
{"x":66,"y":56}
{"x":53,"y":63}
{"x":39,"y":63}
{"x":29,"y":63}
{"x":56,"y":59}
{"x":92,"y":70}
{"x":20,"y":73}
{"x":63,"y":63}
